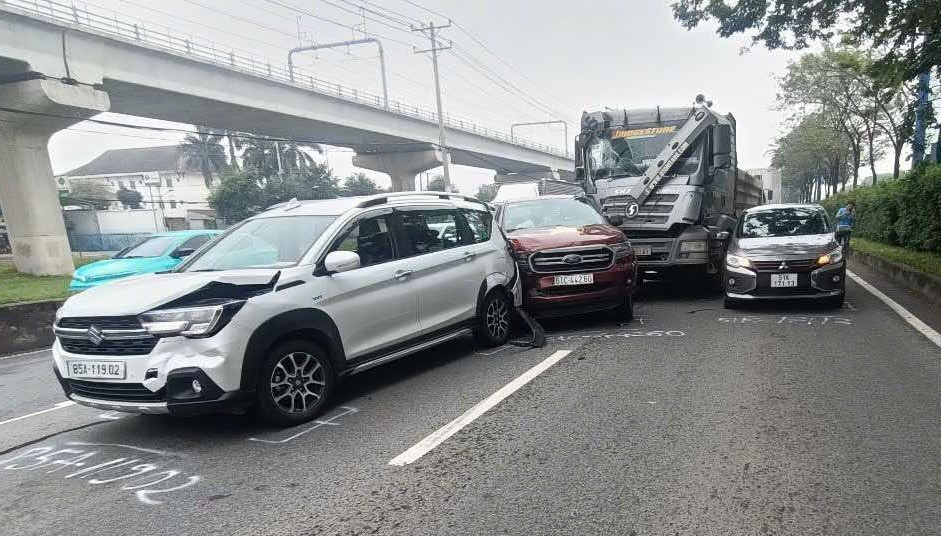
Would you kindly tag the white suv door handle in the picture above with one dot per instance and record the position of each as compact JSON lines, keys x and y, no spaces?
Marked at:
{"x":468,"y":255}
{"x":402,"y":274}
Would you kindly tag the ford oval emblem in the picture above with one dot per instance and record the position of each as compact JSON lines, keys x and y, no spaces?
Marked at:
{"x":572,"y":259}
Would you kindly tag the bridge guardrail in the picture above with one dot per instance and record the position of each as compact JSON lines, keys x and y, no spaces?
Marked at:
{"x":230,"y":58}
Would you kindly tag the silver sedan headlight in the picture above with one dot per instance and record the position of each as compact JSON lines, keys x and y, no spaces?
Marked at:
{"x":834,"y":257}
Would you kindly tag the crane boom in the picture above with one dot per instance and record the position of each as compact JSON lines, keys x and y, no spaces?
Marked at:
{"x":697,"y":123}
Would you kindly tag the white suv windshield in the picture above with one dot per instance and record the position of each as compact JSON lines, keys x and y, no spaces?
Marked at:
{"x":262,"y":243}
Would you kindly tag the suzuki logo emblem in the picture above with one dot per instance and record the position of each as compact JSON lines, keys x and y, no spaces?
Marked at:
{"x":94,"y":335}
{"x":572,"y":259}
{"x":783,"y":266}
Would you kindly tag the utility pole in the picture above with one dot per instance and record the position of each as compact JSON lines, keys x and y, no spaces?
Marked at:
{"x":431,"y":30}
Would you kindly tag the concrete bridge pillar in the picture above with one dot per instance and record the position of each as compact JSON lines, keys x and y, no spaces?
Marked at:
{"x":28,"y":192}
{"x":402,"y":167}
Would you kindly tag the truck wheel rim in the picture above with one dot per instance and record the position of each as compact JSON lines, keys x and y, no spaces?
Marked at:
{"x":498,"y":322}
{"x":297,"y":382}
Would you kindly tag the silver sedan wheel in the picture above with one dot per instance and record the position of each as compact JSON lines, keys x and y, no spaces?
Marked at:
{"x":498,"y":319}
{"x":297,"y":382}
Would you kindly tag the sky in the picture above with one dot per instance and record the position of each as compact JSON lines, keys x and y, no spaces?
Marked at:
{"x":512,"y":61}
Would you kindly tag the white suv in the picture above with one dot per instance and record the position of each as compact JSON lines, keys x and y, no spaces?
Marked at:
{"x":272,"y":312}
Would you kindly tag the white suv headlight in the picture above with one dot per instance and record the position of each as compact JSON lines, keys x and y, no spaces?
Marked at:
{"x":196,"y":321}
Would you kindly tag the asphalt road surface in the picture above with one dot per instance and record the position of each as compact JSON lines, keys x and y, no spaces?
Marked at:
{"x":690,"y":420}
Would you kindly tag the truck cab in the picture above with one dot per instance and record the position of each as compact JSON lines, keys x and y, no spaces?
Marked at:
{"x":668,"y":178}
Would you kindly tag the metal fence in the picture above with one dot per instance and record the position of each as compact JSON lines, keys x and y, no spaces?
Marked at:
{"x":207,"y":52}
{"x":104,"y":242}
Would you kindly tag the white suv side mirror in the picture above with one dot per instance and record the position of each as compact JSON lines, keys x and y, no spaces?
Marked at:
{"x":341,"y":261}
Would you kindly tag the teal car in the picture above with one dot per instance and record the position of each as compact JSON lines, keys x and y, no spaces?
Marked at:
{"x":156,"y":253}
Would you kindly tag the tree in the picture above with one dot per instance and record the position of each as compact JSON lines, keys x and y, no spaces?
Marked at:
{"x":486,"y":192}
{"x":130,"y":198}
{"x":359,"y":184}
{"x":244,"y":193}
{"x":271,"y":157}
{"x":314,"y":182}
{"x":235,"y":142}
{"x":204,"y":152}
{"x":94,"y":192}
{"x":906,"y":29}
{"x":838,"y":84}
{"x":437,"y":184}
{"x":238,"y":195}
{"x":813,"y":158}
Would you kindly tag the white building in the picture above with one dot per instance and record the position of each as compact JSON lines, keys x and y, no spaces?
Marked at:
{"x":179,"y":195}
{"x":770,"y":184}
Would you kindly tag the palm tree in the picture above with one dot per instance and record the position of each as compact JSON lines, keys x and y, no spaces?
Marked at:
{"x":271,"y":157}
{"x":203,"y":151}
{"x":235,"y":142}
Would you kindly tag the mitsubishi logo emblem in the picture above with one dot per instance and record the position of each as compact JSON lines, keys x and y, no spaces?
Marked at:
{"x":783,"y":265}
{"x":94,"y":335}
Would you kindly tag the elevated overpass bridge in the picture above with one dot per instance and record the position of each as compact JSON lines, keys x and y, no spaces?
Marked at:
{"x":60,"y":65}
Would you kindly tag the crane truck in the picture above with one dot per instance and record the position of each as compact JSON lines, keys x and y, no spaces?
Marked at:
{"x":668,"y":178}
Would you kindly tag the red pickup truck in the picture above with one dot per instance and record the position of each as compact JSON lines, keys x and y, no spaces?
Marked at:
{"x":570,"y":259}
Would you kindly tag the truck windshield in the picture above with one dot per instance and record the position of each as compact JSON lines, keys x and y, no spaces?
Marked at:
{"x":783,"y":222}
{"x":631,"y":156}
{"x":550,"y":213}
{"x":262,"y":243}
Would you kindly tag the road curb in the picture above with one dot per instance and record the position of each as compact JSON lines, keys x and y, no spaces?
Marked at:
{"x":927,"y":285}
{"x":27,"y":326}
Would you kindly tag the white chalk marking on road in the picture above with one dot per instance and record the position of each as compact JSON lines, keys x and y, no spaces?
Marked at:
{"x":439,"y":436}
{"x":120,"y":445}
{"x":110,"y":416}
{"x":55,"y":407}
{"x":317,"y":424}
{"x":915,"y":322}
{"x":24,"y":354}
{"x":496,"y":350}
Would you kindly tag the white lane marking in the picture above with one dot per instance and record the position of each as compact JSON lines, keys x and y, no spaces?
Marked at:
{"x":120,"y":445}
{"x":60,"y":405}
{"x":24,"y":354}
{"x":437,"y":437}
{"x":318,"y":424}
{"x":915,"y":322}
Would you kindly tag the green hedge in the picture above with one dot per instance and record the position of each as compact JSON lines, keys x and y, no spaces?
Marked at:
{"x":904,"y":212}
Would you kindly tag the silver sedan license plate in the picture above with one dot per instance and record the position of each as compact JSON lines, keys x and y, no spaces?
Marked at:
{"x":112,"y":370}
{"x":643,"y":251}
{"x":575,"y":279}
{"x":783,"y":280}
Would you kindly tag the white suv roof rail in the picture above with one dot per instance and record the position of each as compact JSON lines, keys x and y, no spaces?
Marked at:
{"x":380,"y":199}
